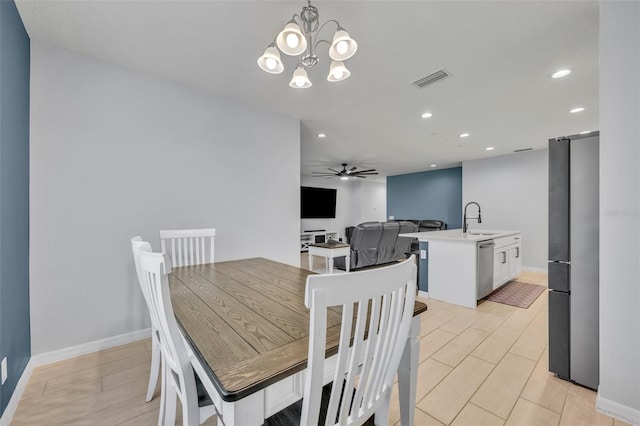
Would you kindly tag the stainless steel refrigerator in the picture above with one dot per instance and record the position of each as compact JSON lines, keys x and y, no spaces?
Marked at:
{"x":573,"y":258}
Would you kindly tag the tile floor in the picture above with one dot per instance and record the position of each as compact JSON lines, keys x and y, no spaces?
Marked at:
{"x":486,"y":366}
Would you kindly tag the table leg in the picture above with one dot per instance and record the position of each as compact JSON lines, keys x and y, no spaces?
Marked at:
{"x":408,"y":374}
{"x":330,"y":264}
{"x":310,"y":261}
{"x":347,"y":260}
{"x":247,"y":411}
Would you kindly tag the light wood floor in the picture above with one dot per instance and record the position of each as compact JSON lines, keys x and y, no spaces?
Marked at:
{"x":477,"y":367}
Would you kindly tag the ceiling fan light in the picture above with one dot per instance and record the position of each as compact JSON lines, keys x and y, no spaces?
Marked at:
{"x":300,"y":79}
{"x":343,"y":46}
{"x":270,"y":61}
{"x":338,"y":72}
{"x":291,"y":41}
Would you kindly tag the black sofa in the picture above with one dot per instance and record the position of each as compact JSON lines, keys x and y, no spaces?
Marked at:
{"x":425,"y":225}
{"x":379,"y":243}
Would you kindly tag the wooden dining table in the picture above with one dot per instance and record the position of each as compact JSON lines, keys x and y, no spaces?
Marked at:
{"x":248,"y":325}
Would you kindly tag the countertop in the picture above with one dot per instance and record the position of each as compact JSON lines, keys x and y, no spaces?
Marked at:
{"x":473,"y":236}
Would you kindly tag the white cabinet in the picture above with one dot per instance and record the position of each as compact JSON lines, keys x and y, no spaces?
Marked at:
{"x":500,"y":267}
{"x":308,"y":238}
{"x":515,"y":260}
{"x":507,"y":260}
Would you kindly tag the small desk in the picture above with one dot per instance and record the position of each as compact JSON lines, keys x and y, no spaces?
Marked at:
{"x":329,"y":251}
{"x":247,"y":323}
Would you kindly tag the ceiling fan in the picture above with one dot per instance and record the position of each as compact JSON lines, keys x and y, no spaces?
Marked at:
{"x":345,"y":174}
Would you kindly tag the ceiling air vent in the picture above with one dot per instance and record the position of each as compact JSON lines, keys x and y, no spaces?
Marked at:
{"x":523,"y":150}
{"x":431,"y":78}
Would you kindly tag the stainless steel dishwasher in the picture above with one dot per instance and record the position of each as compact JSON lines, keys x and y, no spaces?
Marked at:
{"x":485,"y":268}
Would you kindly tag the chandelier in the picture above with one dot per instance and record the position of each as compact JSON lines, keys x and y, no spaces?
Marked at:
{"x":300,"y":38}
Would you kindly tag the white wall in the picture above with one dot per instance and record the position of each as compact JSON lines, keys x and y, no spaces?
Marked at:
{"x":356,"y":202}
{"x":513,"y":193}
{"x":373,"y":203}
{"x":115,"y":153}
{"x":620,"y":208}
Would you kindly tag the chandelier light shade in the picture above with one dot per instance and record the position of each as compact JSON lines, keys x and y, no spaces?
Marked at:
{"x":300,"y":78}
{"x":337,"y":71}
{"x":291,"y":41}
{"x":343,"y":46}
{"x":300,"y":37}
{"x":270,"y":60}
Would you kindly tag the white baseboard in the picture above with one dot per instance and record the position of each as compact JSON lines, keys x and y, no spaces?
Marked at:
{"x":423,"y":294}
{"x":5,"y":420}
{"x":617,"y":410}
{"x":61,"y":355}
{"x":86,"y":348}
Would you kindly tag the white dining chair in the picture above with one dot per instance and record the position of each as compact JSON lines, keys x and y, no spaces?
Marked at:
{"x":371,"y":355}
{"x":136,"y":244}
{"x":187,"y":247}
{"x":178,"y":362}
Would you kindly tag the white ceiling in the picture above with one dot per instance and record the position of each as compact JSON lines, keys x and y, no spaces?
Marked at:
{"x":500,"y":55}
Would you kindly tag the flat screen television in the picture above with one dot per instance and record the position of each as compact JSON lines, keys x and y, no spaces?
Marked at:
{"x":317,"y":203}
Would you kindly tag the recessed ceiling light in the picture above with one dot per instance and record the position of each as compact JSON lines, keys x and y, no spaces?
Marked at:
{"x":464,"y":135}
{"x":426,"y":115}
{"x":322,"y":135}
{"x":586,"y":132}
{"x":561,"y":73}
{"x":433,"y":165}
{"x":489,"y":148}
{"x":578,"y":109}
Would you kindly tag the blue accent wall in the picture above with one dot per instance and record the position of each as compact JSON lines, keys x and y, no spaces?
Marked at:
{"x":15,"y":341}
{"x":427,"y":195}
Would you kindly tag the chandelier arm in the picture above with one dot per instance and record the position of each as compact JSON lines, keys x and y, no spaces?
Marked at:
{"x":315,"y":46}
{"x":323,"y":25}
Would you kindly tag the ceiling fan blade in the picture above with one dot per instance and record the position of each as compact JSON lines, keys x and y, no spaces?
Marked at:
{"x":352,"y":169}
{"x":366,"y":171}
{"x":334,"y":171}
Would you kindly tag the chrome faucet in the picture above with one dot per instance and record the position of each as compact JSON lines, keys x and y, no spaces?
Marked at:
{"x":464,"y":220}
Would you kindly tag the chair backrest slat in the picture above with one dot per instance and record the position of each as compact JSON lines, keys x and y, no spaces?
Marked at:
{"x":372,"y":340}
{"x":379,"y":349}
{"x":369,"y":352}
{"x":188,"y":246}
{"x":341,"y":365}
{"x":356,"y":348}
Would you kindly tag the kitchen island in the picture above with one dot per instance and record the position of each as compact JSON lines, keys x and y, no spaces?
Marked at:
{"x":464,"y":268}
